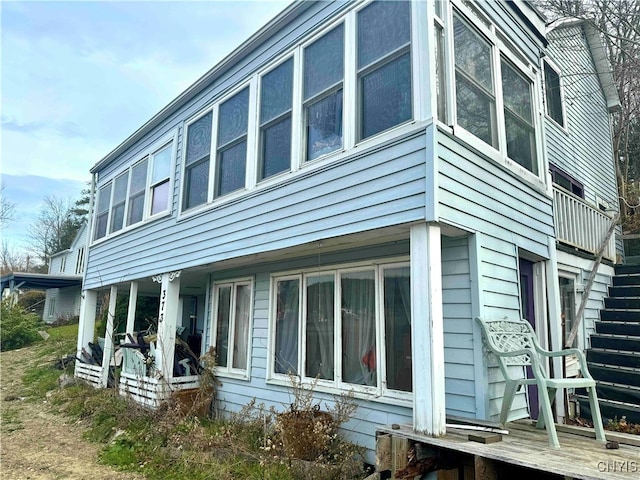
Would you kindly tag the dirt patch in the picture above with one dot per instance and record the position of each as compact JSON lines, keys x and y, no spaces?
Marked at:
{"x":37,"y":443}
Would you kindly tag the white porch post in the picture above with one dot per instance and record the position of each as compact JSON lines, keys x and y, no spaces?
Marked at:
{"x":167,"y":319}
{"x":108,"y":337}
{"x":427,"y":338}
{"x":555,"y":321}
{"x":87,"y":322}
{"x":131,"y":313}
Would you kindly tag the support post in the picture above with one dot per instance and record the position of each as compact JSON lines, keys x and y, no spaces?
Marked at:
{"x":427,"y":329}
{"x":108,"y":337}
{"x":555,"y":322}
{"x":167,"y":320}
{"x":131,"y":313}
{"x":87,"y":322}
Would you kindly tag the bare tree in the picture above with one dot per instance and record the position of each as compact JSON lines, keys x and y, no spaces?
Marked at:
{"x":619,"y":25}
{"x":7,"y":208}
{"x":12,"y":260}
{"x":54,"y":229}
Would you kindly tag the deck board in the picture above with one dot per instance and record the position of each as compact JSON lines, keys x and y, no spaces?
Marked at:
{"x":525,"y":446}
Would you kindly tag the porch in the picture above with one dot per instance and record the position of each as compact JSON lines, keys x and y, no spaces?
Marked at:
{"x":580,"y":225}
{"x":525,"y":453}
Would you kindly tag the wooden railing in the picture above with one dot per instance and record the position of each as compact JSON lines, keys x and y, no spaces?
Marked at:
{"x":581,"y":225}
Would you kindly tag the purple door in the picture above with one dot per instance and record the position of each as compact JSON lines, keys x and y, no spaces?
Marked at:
{"x":529,"y":314}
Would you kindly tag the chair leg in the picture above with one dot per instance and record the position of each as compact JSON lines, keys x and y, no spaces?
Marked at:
{"x":545,"y":419}
{"x":510,"y":390}
{"x":595,"y":414}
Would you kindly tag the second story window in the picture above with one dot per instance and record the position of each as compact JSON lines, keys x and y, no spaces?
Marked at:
{"x":160,"y":176}
{"x":231,"y":161}
{"x":118,"y":202}
{"x":322,"y":92}
{"x":137,"y":190}
{"x":384,"y":66}
{"x":518,"y":117}
{"x":475,"y":95}
{"x":102,"y":212}
{"x":553,"y":94}
{"x":197,"y":162}
{"x":275,"y":120}
{"x":80,"y":261}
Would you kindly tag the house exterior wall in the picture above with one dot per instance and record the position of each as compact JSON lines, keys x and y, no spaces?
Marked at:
{"x":583,"y":149}
{"x":66,"y":303}
{"x":423,"y":171}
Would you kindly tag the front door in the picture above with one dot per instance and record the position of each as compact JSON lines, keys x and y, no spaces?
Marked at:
{"x":529,"y":314}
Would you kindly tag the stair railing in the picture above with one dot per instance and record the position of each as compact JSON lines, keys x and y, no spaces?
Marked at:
{"x":590,"y":281}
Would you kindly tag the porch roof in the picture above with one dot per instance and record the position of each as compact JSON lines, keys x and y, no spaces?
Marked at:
{"x":38,"y":280}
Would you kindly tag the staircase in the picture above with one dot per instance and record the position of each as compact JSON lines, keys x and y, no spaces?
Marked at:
{"x":614,"y":356}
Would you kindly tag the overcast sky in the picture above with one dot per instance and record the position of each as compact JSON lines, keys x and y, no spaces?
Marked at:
{"x":77,"y":78}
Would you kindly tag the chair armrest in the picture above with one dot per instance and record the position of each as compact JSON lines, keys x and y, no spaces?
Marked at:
{"x":582,"y":361}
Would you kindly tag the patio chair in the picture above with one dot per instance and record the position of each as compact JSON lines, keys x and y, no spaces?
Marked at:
{"x":514,"y":343}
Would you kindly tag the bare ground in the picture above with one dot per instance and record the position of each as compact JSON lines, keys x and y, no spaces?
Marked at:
{"x":35,"y":441}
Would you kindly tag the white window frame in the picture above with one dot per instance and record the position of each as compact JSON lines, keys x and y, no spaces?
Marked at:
{"x":80,"y":261}
{"x":229,"y":370}
{"x":547,"y":62}
{"x":52,"y":307}
{"x":491,"y":34}
{"x":63,"y":263}
{"x":169,"y":139}
{"x":379,"y":392}
{"x":295,"y":58}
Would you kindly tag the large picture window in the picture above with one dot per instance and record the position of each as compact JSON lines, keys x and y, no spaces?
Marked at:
{"x":347,"y":326}
{"x":323,"y":87}
{"x":384,"y":66}
{"x":232,"y":144}
{"x":275,"y":120}
{"x":232,"y":314}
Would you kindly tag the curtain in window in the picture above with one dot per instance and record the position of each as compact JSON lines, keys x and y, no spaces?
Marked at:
{"x":397,"y":311}
{"x":359,"y":362}
{"x":287,"y":317}
{"x":241,"y":334}
{"x":320,"y":327}
{"x":222,"y":330}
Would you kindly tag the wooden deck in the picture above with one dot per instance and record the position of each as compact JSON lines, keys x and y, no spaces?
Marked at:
{"x":526,"y":447}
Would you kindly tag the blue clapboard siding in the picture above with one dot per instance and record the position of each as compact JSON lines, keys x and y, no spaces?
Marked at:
{"x":477,"y":194}
{"x":363,"y":192}
{"x":585,"y":150}
{"x":459,"y":369}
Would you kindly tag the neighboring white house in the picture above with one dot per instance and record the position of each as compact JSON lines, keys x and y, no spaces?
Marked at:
{"x":343,"y":194}
{"x":64,"y":301}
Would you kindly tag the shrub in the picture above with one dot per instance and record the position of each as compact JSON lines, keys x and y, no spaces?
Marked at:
{"x":17,"y":327}
{"x":33,"y":301}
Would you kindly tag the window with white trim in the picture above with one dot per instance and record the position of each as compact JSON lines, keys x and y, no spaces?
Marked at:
{"x":80,"y":261}
{"x":137,"y":194}
{"x":347,"y":327}
{"x":118,"y":202}
{"x":553,"y":94}
{"x":276,"y":105}
{"x":493,"y":90}
{"x":231,"y":153}
{"x":52,"y":307}
{"x":384,"y":66}
{"x":197,"y":158}
{"x":323,"y":94}
{"x":63,"y":263}
{"x":231,"y":328}
{"x":102,"y":211}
